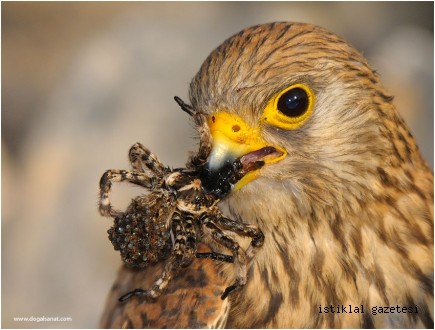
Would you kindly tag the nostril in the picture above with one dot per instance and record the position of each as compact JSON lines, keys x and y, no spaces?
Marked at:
{"x":236,"y":128}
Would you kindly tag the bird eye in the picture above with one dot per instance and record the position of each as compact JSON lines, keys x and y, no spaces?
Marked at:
{"x":293,"y":103}
{"x":290,"y":108}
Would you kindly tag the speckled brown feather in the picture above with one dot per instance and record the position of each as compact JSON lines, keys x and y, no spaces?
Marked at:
{"x":193,"y":299}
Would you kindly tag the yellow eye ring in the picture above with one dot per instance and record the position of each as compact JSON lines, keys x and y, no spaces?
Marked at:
{"x":290,"y":108}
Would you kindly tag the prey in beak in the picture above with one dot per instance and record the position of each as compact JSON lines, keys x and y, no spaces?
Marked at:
{"x":235,"y":153}
{"x":235,"y":143}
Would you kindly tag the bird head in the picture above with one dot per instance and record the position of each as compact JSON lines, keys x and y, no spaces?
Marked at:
{"x":304,"y":102}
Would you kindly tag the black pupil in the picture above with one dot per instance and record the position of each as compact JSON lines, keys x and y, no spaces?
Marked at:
{"x":293,"y":103}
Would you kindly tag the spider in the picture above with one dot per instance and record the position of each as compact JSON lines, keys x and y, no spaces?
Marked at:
{"x":179,"y":210}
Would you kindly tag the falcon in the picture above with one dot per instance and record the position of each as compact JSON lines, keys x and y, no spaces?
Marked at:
{"x":345,"y":203}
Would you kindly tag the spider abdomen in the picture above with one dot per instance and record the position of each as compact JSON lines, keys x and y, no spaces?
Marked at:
{"x":141,"y":233}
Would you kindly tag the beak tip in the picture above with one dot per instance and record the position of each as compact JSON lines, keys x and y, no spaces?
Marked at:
{"x":220,"y":155}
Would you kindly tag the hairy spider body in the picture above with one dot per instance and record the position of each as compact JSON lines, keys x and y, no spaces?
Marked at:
{"x":140,"y":233}
{"x":168,"y":222}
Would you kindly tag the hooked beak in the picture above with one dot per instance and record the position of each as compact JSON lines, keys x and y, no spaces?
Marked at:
{"x":233,"y":138}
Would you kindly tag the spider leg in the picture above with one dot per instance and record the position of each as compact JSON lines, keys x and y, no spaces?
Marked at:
{"x":205,"y":142}
{"x":238,"y":254}
{"x":173,"y":265}
{"x":243,"y":229}
{"x":110,"y":176}
{"x":182,"y":256}
{"x":143,"y":160}
{"x":205,"y":138}
{"x":212,"y":255}
{"x":185,"y":235}
{"x":184,"y":106}
{"x":215,"y":256}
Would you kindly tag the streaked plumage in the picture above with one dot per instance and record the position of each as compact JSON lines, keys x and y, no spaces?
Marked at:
{"x":347,"y":214}
{"x":191,"y":301}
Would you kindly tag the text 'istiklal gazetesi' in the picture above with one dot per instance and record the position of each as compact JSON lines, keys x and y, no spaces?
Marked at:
{"x":361,"y":309}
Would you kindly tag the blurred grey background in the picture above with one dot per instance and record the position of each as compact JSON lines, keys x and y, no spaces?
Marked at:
{"x":81,"y":82}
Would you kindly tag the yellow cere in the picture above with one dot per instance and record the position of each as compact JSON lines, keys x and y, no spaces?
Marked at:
{"x":233,"y":138}
{"x":273,"y":116}
{"x":237,"y":137}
